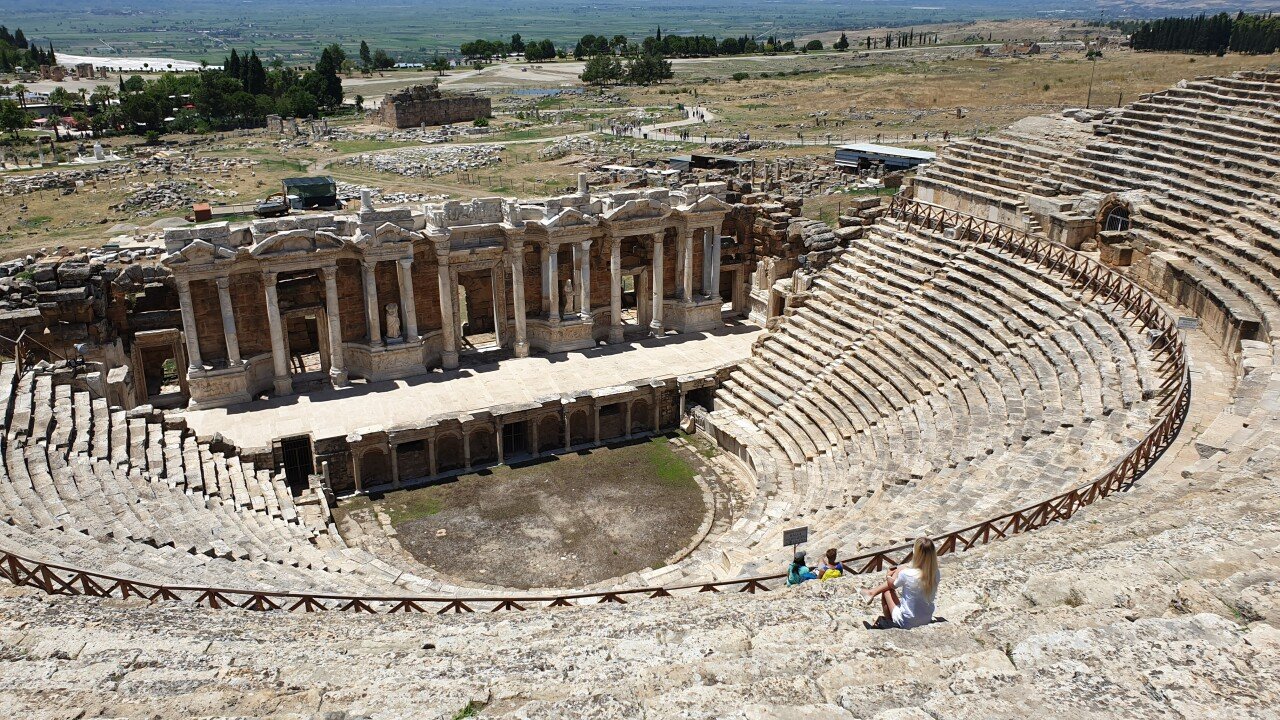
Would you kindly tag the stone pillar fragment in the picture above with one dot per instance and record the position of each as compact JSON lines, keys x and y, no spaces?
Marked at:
{"x":228,"y":321}
{"x":279,"y":350}
{"x":521,"y":345}
{"x":551,"y":281}
{"x":686,"y":267}
{"x":714,"y":290}
{"x":337,"y":363}
{"x":615,"y":291}
{"x":584,"y":279}
{"x":408,"y":309}
{"x":449,"y":356}
{"x":371,"y":312}
{"x":655,"y":327}
{"x":189,"y":332}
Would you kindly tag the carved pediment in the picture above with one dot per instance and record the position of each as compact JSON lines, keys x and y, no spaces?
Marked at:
{"x":643,"y":209}
{"x":296,"y":242}
{"x":706,"y":204}
{"x":570,"y":218}
{"x":387,"y":233}
{"x":198,"y":252}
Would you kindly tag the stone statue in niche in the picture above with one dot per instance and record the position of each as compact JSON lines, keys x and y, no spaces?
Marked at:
{"x":570,"y":298}
{"x":393,"y":321}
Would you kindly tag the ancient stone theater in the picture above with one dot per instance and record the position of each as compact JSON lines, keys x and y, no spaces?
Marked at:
{"x":1054,"y":352}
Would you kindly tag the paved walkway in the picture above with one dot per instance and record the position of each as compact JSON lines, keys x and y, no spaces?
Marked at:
{"x":412,"y":401}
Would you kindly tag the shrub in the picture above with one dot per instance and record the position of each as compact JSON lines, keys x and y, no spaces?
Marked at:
{"x":481,"y":122}
{"x":740,"y":76}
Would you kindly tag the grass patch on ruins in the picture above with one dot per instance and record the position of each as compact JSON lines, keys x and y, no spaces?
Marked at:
{"x":34,"y":221}
{"x":670,"y":468}
{"x":562,"y":520}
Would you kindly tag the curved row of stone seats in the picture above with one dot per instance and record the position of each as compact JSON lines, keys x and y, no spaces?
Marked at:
{"x":926,"y":383}
{"x":95,"y":487}
{"x":1203,"y":161}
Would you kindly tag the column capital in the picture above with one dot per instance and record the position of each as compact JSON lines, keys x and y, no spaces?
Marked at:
{"x":269,"y":276}
{"x":586,"y":244}
{"x":329,"y":272}
{"x":368,"y":264}
{"x":441,"y":248}
{"x":405,"y":263}
{"x":223,"y":283}
{"x":184,"y":285}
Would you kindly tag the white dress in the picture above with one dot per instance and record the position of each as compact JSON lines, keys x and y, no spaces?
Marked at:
{"x":915,"y":608}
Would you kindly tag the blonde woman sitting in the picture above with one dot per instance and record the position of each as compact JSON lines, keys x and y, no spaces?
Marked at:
{"x":907,"y":596}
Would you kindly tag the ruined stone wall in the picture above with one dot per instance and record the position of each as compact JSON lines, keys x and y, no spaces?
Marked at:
{"x":432,"y":111}
{"x":248,"y":297}
{"x":208,"y":312}
{"x":426,"y":291}
{"x":351,"y":301}
{"x":533,"y":283}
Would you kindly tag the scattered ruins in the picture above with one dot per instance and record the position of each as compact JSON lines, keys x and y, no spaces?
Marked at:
{"x":1008,"y":343}
{"x":426,"y":105}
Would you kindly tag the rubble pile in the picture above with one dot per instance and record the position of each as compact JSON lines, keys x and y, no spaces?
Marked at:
{"x":603,"y":150}
{"x":168,"y":164}
{"x":425,"y":135}
{"x":351,"y":191}
{"x":66,"y":299}
{"x":145,"y":199}
{"x":421,"y":162}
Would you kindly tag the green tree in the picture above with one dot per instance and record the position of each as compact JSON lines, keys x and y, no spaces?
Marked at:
{"x":602,"y":70}
{"x":366,"y":57}
{"x":440,"y":64}
{"x":842,"y":43}
{"x":12,"y":117}
{"x":813,"y":45}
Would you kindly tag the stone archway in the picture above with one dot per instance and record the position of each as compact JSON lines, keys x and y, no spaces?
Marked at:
{"x":375,"y":468}
{"x":641,"y":416}
{"x":549,"y":428}
{"x":449,"y":455}
{"x":483,"y":445}
{"x":581,"y":430}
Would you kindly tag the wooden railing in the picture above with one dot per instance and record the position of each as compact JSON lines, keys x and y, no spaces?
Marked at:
{"x":1091,"y":276}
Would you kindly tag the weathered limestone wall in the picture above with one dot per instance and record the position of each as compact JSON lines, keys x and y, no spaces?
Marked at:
{"x":204,"y":299}
{"x":425,"y":105}
{"x":351,"y":301}
{"x":248,"y":298}
{"x":426,"y":291}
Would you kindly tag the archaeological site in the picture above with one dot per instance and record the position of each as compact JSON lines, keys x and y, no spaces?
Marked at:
{"x":547,"y":448}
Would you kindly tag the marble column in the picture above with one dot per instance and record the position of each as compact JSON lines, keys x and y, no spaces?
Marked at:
{"x":584,"y":279}
{"x":686,"y":267}
{"x":371,"y":312}
{"x":279,"y":351}
{"x":228,"y":321}
{"x":521,"y":345}
{"x":615,"y":291}
{"x":337,"y":365}
{"x":714,"y":290}
{"x":706,"y":261}
{"x":655,"y":327}
{"x":408,"y":308}
{"x":449,"y":356}
{"x":551,"y":281}
{"x":189,"y":332}
{"x":498,"y":285}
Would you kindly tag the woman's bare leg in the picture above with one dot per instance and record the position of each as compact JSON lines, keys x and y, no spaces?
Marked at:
{"x":889,"y":601}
